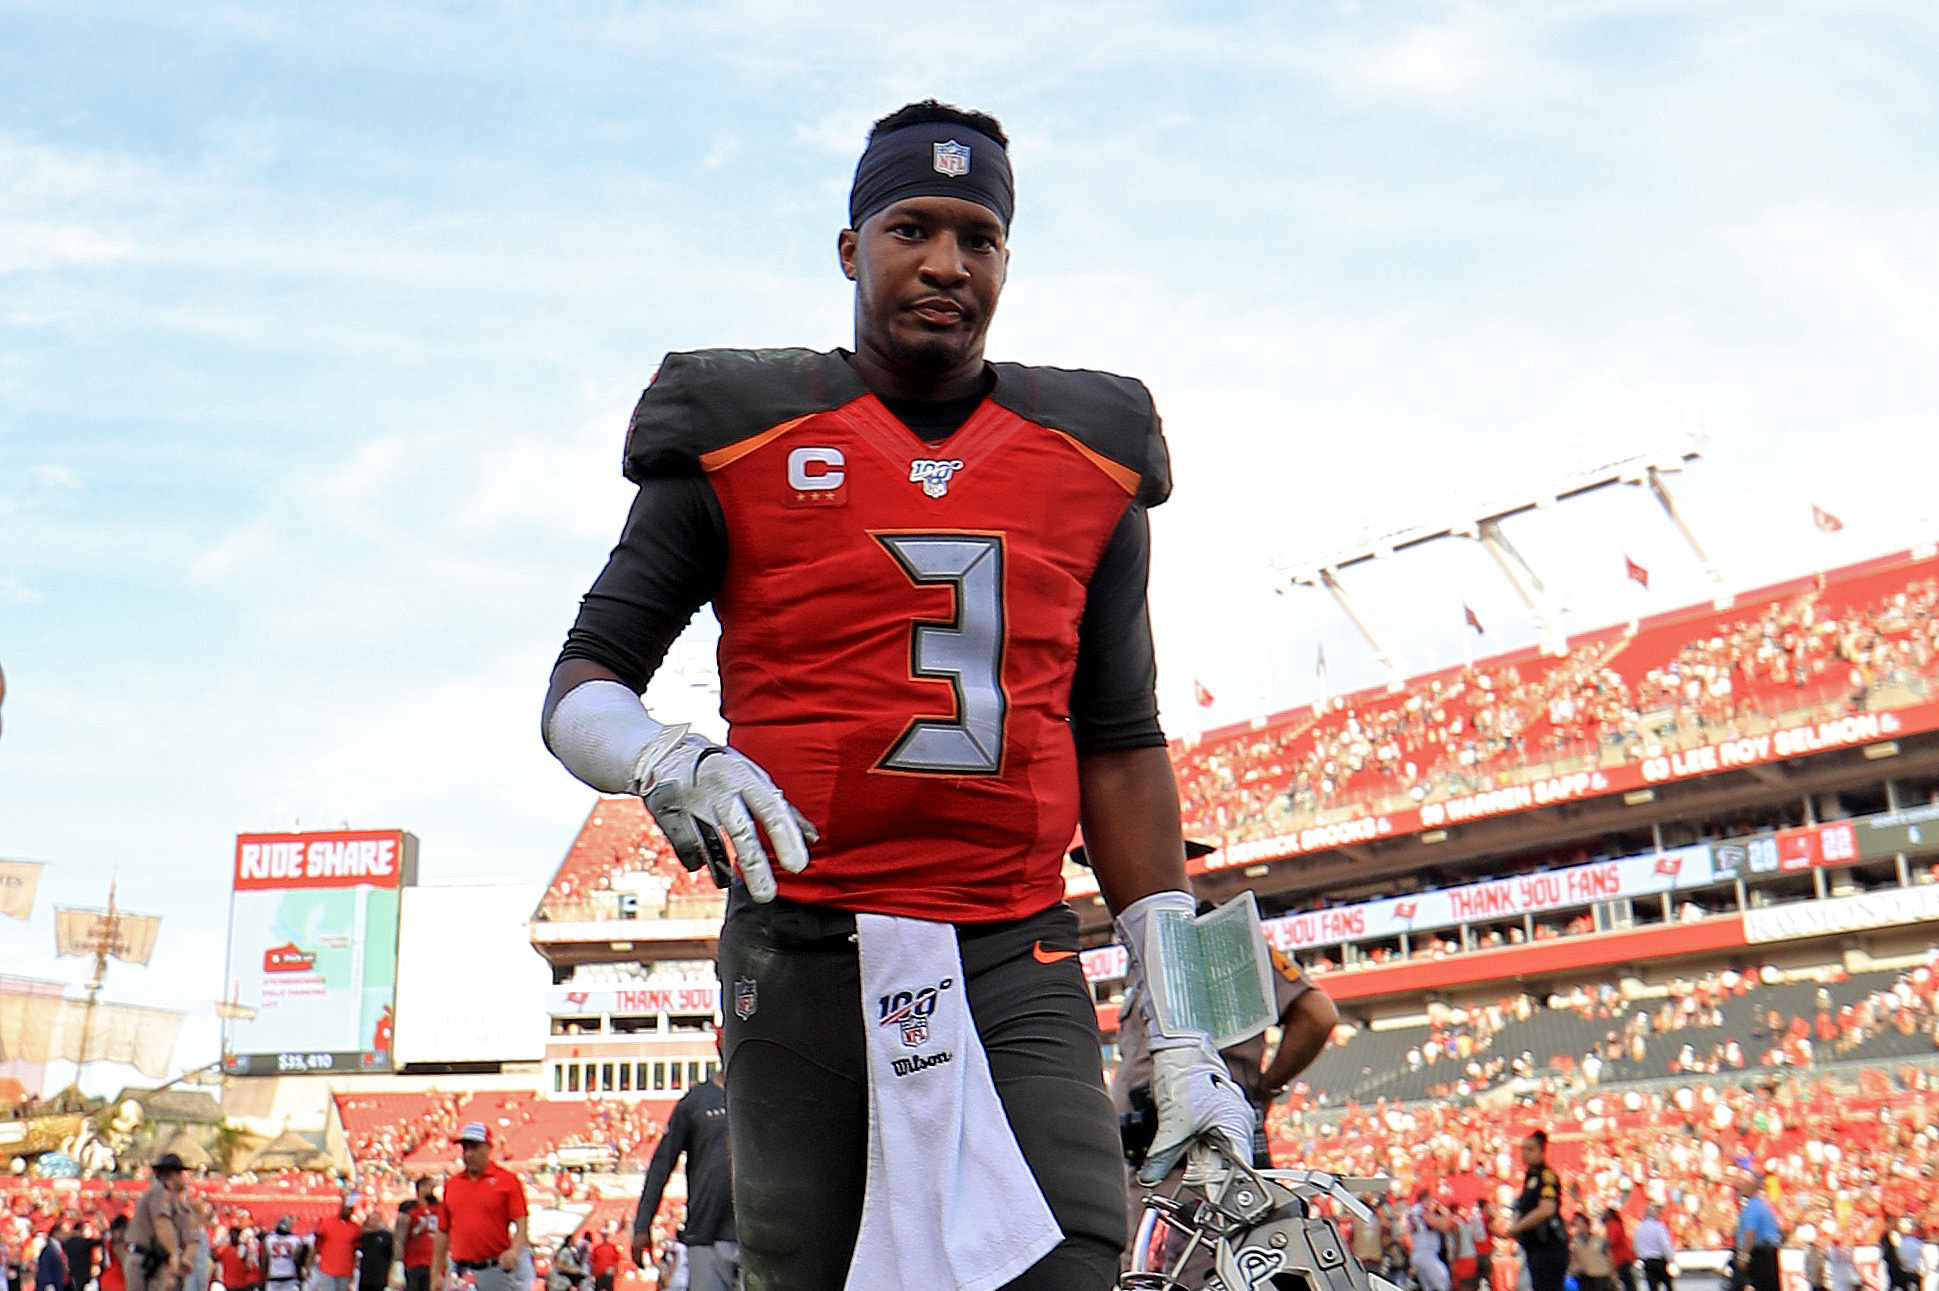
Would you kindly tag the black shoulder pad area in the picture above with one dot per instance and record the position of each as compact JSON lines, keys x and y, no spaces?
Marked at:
{"x":1113,"y":416}
{"x":708,"y":399}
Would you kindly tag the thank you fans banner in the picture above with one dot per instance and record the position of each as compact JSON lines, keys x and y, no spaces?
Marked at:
{"x":1497,"y":900}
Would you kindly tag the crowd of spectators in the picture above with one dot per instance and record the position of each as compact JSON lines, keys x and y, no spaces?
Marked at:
{"x":1846,"y":1160}
{"x":619,"y":866}
{"x":393,"y":1137}
{"x":31,"y":1209}
{"x":390,"y":1127}
{"x":1619,"y":696}
{"x":1680,"y":1030}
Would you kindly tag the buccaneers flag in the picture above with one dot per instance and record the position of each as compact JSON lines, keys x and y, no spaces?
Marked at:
{"x":1202,"y":695}
{"x":1826,"y":522}
{"x":1636,"y":572}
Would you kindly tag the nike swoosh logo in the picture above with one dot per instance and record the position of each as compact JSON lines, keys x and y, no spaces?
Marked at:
{"x":1043,"y":956}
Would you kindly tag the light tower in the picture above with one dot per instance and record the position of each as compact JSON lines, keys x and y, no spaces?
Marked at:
{"x":1484,"y":525}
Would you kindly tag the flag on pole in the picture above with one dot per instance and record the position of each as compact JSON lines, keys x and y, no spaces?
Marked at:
{"x":1202,"y":695}
{"x":1319,"y":662}
{"x":1473,"y":620}
{"x":1637,"y":574}
{"x":1826,"y":522}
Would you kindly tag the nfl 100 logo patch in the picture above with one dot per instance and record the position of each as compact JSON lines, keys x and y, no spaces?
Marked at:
{"x":911,"y":1010}
{"x":951,"y":158}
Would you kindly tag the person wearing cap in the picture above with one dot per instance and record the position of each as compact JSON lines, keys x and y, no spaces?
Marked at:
{"x":420,"y":1223}
{"x":484,"y":1206}
{"x":159,"y":1257}
{"x":1758,"y":1236}
{"x":936,"y":659}
{"x":698,"y":1129}
{"x":1538,"y":1222}
{"x":603,"y":1262}
{"x":335,"y":1241}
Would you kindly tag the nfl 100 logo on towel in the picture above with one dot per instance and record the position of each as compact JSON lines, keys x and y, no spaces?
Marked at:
{"x":911,"y":1011}
{"x":951,"y":158}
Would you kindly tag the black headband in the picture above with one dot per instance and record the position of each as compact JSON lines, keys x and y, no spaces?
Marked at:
{"x":932,"y":159}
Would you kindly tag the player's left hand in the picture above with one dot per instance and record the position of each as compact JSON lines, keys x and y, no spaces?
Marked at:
{"x":1196,"y":1096}
{"x":697,"y":791}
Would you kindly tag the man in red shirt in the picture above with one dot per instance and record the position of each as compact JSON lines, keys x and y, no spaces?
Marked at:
{"x":336,"y":1247}
{"x":420,"y":1222}
{"x":604,"y":1261}
{"x":237,"y":1259}
{"x":484,"y":1210}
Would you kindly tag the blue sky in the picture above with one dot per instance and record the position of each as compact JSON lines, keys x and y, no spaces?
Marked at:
{"x":319,"y":326}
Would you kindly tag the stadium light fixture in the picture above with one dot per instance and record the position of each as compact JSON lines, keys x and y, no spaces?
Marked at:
{"x":1484,"y":525}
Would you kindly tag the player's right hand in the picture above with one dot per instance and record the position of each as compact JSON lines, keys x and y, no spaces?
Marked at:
{"x":642,"y":1250}
{"x":1196,"y":1098}
{"x":697,"y":791}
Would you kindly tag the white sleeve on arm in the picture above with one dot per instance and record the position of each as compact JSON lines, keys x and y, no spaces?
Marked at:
{"x":1133,"y":921}
{"x":603,"y":735}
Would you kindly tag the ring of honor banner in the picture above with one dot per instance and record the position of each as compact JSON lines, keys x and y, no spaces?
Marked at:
{"x":313,"y":950}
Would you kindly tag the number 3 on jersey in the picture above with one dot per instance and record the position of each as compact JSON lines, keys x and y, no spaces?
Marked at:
{"x":966,"y":651}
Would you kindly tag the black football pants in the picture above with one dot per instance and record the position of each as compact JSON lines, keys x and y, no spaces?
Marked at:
{"x":797,"y":1089}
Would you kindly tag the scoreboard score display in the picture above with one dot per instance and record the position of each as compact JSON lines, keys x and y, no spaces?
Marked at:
{"x":313,"y":950}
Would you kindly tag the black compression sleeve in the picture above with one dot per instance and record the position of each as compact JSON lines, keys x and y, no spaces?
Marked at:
{"x":1114,"y":698}
{"x":669,"y":563}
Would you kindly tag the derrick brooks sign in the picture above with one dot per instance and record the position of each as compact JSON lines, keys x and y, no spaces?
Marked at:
{"x":313,"y":950}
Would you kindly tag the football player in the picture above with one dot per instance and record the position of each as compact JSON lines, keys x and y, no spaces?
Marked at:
{"x":936,"y":659}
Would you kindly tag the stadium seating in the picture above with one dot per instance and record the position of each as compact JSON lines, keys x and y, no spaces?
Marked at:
{"x":1723,"y":1022}
{"x":1833,"y":644}
{"x":414,"y":1132}
{"x":620,"y":866}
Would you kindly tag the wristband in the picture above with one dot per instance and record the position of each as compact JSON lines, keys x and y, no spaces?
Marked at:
{"x":600,"y":731}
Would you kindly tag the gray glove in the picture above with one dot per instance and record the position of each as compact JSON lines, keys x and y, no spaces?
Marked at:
{"x":1196,"y":1097}
{"x":697,"y":791}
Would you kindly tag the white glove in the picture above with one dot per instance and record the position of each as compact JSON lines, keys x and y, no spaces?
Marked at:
{"x":696,"y":791}
{"x":1196,"y":1097}
{"x":1190,"y":1084}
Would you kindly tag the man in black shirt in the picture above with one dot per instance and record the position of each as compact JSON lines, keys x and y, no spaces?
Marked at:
{"x":80,"y":1245}
{"x":698,"y":1127}
{"x":1538,"y":1218}
{"x":375,"y":1250}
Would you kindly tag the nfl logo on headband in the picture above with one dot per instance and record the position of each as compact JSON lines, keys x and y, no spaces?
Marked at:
{"x":952,"y":159}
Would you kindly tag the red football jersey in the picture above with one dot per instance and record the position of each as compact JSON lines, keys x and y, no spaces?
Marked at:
{"x":899,"y":620}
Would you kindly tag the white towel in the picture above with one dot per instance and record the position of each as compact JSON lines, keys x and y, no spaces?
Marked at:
{"x":950,"y":1204}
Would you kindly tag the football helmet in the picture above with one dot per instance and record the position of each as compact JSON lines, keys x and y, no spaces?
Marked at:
{"x":1250,"y":1230}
